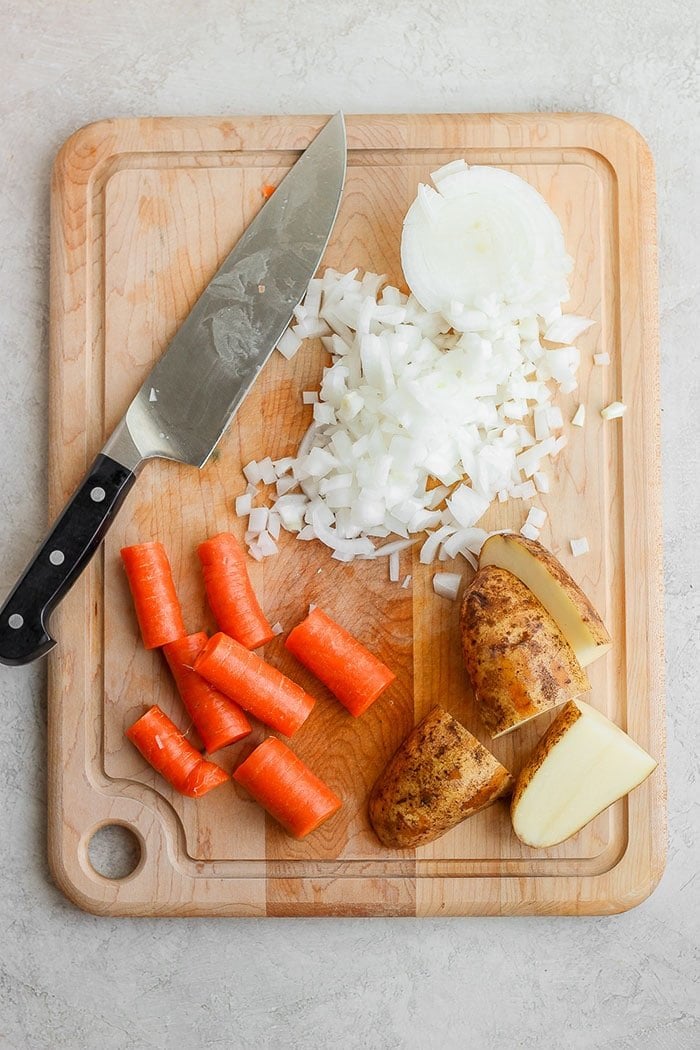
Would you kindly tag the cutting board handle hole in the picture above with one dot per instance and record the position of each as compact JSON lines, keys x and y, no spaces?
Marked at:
{"x":114,"y":851}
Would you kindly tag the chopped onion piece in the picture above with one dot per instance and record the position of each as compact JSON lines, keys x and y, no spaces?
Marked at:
{"x":266,"y":544}
{"x":252,"y":473}
{"x":537,"y":517}
{"x":268,"y":474}
{"x":430,"y":548}
{"x":277,"y":628}
{"x":309,"y":397}
{"x":471,"y":559}
{"x":255,"y":552}
{"x":392,"y":548}
{"x":274,"y":524}
{"x":541,"y":481}
{"x":579,"y":417}
{"x":285,"y":485}
{"x":244,"y":504}
{"x":324,"y":414}
{"x":555,"y":417}
{"x":579,"y":547}
{"x":601,"y":359}
{"x":289,"y":344}
{"x":312,"y":299}
{"x":406,"y":582}
{"x":567,"y":329}
{"x":525,"y":491}
{"x":530,"y":532}
{"x":394,"y":567}
{"x":257,"y":519}
{"x":467,"y":506}
{"x":446,"y":584}
{"x":614,"y":410}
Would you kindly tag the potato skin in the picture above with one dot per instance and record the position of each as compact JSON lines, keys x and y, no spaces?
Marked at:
{"x":517,"y":659}
{"x":439,"y":776}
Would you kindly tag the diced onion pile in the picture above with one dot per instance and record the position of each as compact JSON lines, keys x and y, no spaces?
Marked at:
{"x":427,"y":413}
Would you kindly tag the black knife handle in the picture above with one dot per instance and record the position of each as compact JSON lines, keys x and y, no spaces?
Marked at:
{"x":71,"y":543}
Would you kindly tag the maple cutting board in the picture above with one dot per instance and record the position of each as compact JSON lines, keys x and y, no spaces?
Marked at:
{"x":142,"y":213}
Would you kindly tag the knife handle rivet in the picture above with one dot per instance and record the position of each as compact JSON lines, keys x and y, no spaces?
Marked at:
{"x":57,"y":557}
{"x":16,"y":621}
{"x":97,"y":494}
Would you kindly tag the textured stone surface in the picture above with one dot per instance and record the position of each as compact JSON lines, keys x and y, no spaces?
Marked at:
{"x":69,"y":980}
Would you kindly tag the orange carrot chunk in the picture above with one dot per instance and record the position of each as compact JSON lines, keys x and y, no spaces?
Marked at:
{"x":350,"y":671}
{"x":259,"y":688}
{"x":287,"y":788}
{"x":162,"y":745}
{"x":151,"y":583}
{"x":218,"y":720}
{"x":267,"y":190}
{"x":230,"y":593}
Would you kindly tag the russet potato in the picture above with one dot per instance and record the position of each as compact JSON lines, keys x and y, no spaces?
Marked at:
{"x":549,"y":581}
{"x":582,"y":764}
{"x":518,"y":661}
{"x":439,"y":776}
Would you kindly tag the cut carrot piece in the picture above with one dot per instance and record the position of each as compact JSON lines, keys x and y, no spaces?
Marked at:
{"x":259,"y":688}
{"x":230,"y":592}
{"x":218,"y":719}
{"x":349,"y":670}
{"x":287,"y":788}
{"x":162,"y":745}
{"x":267,"y":191}
{"x":151,"y":583}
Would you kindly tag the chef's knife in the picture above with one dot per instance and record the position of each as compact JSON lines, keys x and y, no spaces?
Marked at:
{"x":193,"y":391}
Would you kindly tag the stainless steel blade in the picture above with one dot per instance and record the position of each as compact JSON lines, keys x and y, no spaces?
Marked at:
{"x":191,"y":394}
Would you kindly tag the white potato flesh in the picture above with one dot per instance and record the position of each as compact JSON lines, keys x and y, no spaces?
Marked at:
{"x":590,"y":764}
{"x":563,"y":599}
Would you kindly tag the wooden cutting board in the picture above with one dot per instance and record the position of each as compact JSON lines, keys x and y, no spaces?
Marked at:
{"x":142,"y":213}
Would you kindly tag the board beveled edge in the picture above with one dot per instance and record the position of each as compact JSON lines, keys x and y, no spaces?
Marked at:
{"x":76,"y":164}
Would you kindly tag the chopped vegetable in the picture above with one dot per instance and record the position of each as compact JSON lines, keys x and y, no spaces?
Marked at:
{"x":350,"y":671}
{"x":446,"y":584}
{"x":537,"y":517}
{"x":437,"y":387}
{"x":614,"y":410}
{"x":230,"y":593}
{"x":162,"y":745}
{"x":567,"y":329}
{"x":530,"y":531}
{"x":579,"y":416}
{"x":601,"y":359}
{"x":286,"y":788}
{"x":244,"y":504}
{"x":153,"y":591}
{"x":252,"y":473}
{"x":259,"y":688}
{"x":579,"y":547}
{"x":218,"y":720}
{"x":267,"y":190}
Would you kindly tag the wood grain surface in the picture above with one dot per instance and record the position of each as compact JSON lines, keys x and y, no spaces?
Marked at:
{"x":142,"y":213}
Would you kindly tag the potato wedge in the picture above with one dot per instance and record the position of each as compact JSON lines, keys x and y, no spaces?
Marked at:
{"x":561,"y":596}
{"x":439,"y":776}
{"x":518,"y":661}
{"x":582,"y":764}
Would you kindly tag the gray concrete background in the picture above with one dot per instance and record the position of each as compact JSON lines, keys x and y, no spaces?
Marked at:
{"x":69,"y":980}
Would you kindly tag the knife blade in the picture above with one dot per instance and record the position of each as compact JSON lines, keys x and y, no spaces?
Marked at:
{"x":193,"y":391}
